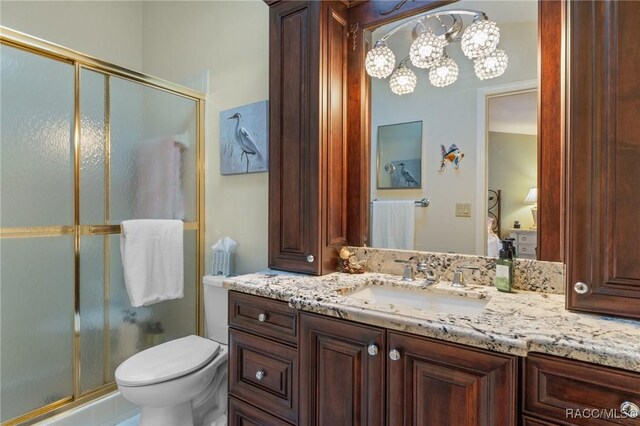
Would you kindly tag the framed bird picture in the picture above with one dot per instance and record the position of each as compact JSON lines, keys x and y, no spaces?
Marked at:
{"x":244,"y":139}
{"x":399,"y":152}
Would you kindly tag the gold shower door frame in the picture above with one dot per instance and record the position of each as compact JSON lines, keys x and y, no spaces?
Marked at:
{"x":81,"y":61}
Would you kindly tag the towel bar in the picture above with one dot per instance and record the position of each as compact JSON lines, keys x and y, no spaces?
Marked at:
{"x":419,"y":203}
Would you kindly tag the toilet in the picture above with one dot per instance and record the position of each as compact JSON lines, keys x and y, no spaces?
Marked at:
{"x":183,"y":382}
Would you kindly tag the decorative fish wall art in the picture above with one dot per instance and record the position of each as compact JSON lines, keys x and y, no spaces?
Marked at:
{"x":453,"y":155}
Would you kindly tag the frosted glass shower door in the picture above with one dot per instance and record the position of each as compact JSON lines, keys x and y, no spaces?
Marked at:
{"x":37,"y":251}
{"x":138,"y":161}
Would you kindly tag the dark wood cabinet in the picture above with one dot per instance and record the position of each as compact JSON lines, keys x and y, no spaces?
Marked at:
{"x":603,"y":152}
{"x":307,"y":153}
{"x":342,"y":383}
{"x":437,"y":383}
{"x":263,"y":361}
{"x":345,"y":373}
{"x":242,"y":414}
{"x":568,"y":392}
{"x":264,"y":373}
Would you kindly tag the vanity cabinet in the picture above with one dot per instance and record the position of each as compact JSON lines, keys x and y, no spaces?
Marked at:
{"x":342,"y":367}
{"x":307,"y":135}
{"x":342,"y":370}
{"x":437,"y":383}
{"x":603,"y":152}
{"x":338,"y":372}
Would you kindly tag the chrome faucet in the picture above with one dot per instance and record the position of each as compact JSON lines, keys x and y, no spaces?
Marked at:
{"x":430,"y":276}
{"x":407,"y":271}
{"x":458,"y":276}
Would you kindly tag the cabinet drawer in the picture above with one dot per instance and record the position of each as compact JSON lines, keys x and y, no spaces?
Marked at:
{"x":264,"y":373}
{"x":242,"y":414}
{"x":263,"y":316}
{"x":527,"y":238}
{"x":526,"y":250}
{"x":555,"y":388}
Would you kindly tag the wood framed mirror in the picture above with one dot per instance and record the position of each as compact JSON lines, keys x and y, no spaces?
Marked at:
{"x":365,"y":16}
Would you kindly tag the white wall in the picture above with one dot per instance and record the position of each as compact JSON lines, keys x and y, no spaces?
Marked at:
{"x":230,"y":39}
{"x":448,"y":116}
{"x":109,"y":30}
{"x":180,"y":41}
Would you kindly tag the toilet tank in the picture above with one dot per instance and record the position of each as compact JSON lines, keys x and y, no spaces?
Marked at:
{"x":215,"y":309}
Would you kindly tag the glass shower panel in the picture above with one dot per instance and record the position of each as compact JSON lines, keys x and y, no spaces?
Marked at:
{"x":36,"y":154}
{"x":92,"y":313}
{"x":153,"y":152}
{"x":135,"y":329}
{"x":36,"y":322}
{"x":92,"y":147}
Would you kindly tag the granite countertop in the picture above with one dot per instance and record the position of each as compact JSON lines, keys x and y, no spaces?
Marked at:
{"x":512,"y":323}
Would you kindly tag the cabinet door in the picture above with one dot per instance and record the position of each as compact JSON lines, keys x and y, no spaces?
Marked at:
{"x":307,"y":154}
{"x":294,"y":221}
{"x":436,"y":383}
{"x":604,"y":158}
{"x":340,"y":382}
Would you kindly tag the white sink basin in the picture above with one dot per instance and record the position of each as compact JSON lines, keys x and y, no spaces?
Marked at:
{"x":420,"y":299}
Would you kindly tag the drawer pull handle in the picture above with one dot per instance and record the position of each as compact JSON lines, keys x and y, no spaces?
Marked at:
{"x":260,"y":374}
{"x":310,"y":258}
{"x":372,"y":349}
{"x":581,"y":288}
{"x":630,"y":409}
{"x":394,"y":355}
{"x":262,"y":317}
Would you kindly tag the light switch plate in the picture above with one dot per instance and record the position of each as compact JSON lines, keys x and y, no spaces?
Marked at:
{"x":463,"y":209}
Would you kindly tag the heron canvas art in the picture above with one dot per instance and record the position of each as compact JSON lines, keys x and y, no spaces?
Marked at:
{"x":244,"y":136}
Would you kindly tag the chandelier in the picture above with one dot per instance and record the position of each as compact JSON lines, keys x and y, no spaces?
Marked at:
{"x":479,"y":42}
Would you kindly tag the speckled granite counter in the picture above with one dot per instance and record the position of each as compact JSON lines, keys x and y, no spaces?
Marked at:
{"x":513,"y":323}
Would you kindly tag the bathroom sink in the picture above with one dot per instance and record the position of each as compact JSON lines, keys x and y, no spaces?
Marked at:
{"x":420,"y":299}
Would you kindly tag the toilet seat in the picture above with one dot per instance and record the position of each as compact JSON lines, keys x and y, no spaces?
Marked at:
{"x":167,"y":361}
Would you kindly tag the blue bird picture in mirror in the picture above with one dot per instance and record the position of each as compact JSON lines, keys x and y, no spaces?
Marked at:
{"x":244,"y":134}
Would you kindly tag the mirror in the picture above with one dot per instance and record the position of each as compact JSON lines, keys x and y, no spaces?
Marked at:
{"x":479,"y":133}
{"x":399,"y":162}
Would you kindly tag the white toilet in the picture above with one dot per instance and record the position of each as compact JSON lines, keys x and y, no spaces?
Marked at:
{"x":183,"y":382}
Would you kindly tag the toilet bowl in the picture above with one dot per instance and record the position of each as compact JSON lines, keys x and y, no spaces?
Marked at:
{"x":182,"y":382}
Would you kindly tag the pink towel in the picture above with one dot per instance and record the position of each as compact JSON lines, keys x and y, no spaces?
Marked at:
{"x":159,"y":184}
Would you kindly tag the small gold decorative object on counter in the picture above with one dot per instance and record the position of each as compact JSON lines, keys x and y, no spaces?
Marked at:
{"x":349,"y":263}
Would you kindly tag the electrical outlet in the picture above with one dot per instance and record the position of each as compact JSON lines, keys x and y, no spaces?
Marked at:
{"x":463,"y":209}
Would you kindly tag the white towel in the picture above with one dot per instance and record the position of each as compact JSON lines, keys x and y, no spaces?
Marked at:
{"x":393,"y":224}
{"x":159,"y":169}
{"x":152,"y":257}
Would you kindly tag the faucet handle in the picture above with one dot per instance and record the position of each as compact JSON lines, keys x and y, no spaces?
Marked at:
{"x":407,"y":273}
{"x":458,"y":278}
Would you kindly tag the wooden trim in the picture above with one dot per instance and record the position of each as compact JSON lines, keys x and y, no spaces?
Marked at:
{"x":550,"y":131}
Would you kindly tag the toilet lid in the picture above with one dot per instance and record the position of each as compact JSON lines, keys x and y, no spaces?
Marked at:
{"x":167,"y":361}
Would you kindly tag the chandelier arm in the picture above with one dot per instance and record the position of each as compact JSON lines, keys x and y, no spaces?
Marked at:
{"x":477,"y":14}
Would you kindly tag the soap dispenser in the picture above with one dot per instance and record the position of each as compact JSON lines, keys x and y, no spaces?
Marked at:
{"x":504,"y":266}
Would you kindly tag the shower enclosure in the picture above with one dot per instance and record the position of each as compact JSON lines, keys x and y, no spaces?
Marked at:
{"x":77,"y":138}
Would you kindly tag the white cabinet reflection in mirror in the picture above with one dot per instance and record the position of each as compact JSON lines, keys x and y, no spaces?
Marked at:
{"x":460,"y":114}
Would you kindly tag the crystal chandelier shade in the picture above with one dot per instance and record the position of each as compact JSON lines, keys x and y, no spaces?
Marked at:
{"x":480,"y":39}
{"x":380,"y":61}
{"x":432,"y":33}
{"x":492,"y":65}
{"x":426,"y":50}
{"x":403,"y":80}
{"x":444,"y":73}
